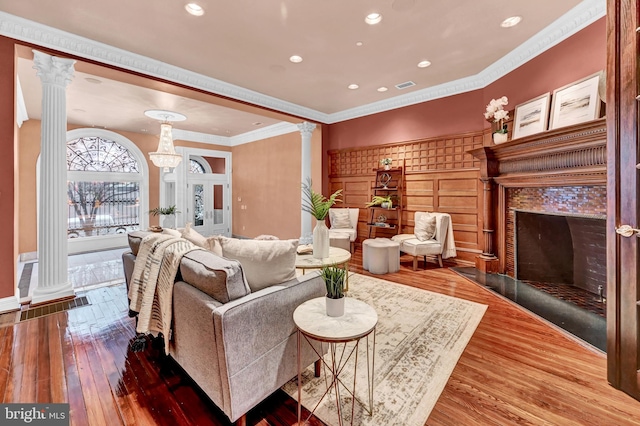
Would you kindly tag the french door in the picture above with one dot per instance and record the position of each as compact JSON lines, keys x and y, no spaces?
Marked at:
{"x":623,"y":207}
{"x":208,"y":205}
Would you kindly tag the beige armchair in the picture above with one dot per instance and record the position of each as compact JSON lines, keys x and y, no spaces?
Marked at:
{"x":441,"y":245}
{"x":344,"y":221}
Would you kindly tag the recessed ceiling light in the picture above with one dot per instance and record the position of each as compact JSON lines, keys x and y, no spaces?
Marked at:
{"x":194,"y":9}
{"x":373,"y":18}
{"x":93,"y":80}
{"x":382,"y":89}
{"x":359,"y":43}
{"x":296,"y":59}
{"x":510,"y":22}
{"x":423,"y":64}
{"x":353,"y":86}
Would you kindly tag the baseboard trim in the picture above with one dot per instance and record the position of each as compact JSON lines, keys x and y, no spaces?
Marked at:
{"x":28,"y":257}
{"x":9,"y":304}
{"x":50,"y":294}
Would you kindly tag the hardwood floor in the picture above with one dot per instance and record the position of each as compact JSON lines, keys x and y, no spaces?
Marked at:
{"x":515,"y":370}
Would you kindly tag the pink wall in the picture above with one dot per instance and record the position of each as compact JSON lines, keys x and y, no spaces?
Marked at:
{"x":583,"y":54}
{"x":8,"y":253}
{"x":580,"y":55}
{"x":450,"y":115}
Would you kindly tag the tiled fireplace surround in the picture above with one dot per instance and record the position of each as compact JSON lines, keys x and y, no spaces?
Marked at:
{"x":569,"y":201}
{"x":558,"y":172}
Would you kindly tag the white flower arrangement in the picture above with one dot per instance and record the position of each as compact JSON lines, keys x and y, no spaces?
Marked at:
{"x":496,"y":113}
{"x":385,"y":161}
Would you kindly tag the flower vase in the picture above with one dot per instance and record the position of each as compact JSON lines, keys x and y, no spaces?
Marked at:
{"x":335,"y":307}
{"x":320,"y":240}
{"x":499,"y":138}
{"x":387,"y":166}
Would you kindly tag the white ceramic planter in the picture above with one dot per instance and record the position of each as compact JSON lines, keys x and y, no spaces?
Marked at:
{"x":335,"y":307}
{"x":499,"y":138}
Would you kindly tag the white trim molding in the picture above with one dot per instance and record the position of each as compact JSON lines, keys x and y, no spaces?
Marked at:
{"x":274,"y":130}
{"x":21,"y":107}
{"x":582,"y":15}
{"x":8,"y":304}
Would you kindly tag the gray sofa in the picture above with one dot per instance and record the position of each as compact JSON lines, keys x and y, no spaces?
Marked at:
{"x":238,"y":347}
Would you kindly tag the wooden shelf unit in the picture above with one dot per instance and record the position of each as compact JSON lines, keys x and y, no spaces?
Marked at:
{"x":388,"y":182}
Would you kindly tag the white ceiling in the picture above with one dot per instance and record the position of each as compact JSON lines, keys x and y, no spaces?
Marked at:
{"x":240,"y":49}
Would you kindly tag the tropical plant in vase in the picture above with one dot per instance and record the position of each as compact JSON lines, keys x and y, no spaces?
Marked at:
{"x":318,"y":206}
{"x":383,"y":201}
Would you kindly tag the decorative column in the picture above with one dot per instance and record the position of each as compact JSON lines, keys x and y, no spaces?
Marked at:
{"x":53,"y":280}
{"x":487,"y":262}
{"x":306,"y":129}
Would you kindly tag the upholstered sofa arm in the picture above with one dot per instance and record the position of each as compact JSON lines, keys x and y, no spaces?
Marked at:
{"x":256,"y":339}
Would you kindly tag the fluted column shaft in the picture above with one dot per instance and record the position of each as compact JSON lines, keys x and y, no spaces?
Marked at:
{"x":53,"y":281}
{"x":306,"y":129}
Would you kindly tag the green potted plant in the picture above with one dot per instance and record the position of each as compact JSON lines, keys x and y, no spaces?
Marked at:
{"x":386,"y":163}
{"x":384,"y":202}
{"x":318,"y":206}
{"x":169,"y":214}
{"x":334,"y":277}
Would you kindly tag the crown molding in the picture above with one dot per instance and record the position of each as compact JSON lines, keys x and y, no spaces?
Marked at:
{"x":32,"y":32}
{"x":584,"y":14}
{"x":274,"y":130}
{"x":255,"y":135}
{"x":581,"y":16}
{"x":189,"y":136}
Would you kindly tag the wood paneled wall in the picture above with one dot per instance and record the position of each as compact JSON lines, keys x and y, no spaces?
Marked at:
{"x":439,"y":176}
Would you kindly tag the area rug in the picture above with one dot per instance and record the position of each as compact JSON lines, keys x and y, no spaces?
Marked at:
{"x":419,"y":338}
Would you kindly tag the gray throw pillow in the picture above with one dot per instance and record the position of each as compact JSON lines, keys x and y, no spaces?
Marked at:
{"x":135,"y":238}
{"x":222,"y":279}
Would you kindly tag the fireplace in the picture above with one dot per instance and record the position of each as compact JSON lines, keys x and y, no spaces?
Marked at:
{"x":561,"y":249}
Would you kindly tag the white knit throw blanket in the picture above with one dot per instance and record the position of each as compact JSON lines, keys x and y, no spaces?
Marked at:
{"x":151,"y":289}
{"x":449,"y":249}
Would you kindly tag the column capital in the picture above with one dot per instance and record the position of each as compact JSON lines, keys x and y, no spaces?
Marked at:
{"x":53,"y":70}
{"x":306,"y":128}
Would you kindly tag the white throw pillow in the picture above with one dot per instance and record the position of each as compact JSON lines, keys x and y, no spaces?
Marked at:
{"x":213,"y":244}
{"x":172,"y":232}
{"x":265,"y":262}
{"x":193,"y":236}
{"x":425,"y":227}
{"x":340,"y":219}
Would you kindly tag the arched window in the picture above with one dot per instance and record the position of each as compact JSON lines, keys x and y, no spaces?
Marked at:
{"x":104,"y":184}
{"x":196,"y":167}
{"x":99,"y":155}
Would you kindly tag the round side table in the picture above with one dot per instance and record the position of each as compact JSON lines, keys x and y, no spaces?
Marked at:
{"x":358,"y":322}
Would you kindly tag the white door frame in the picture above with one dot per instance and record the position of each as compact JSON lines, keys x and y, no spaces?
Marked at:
{"x":181,"y":176}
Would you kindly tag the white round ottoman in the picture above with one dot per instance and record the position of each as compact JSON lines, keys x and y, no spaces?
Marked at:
{"x":380,"y":255}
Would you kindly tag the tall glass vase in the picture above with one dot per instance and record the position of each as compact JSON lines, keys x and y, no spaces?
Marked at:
{"x":320,"y":240}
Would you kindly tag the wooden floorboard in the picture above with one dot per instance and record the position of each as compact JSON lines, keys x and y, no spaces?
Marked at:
{"x":516,"y":369}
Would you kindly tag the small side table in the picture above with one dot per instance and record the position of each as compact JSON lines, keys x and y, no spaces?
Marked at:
{"x":358,"y":322}
{"x":337,"y":256}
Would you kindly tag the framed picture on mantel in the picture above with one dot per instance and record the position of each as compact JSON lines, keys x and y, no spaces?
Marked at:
{"x":575,"y":103}
{"x":531,"y":117}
